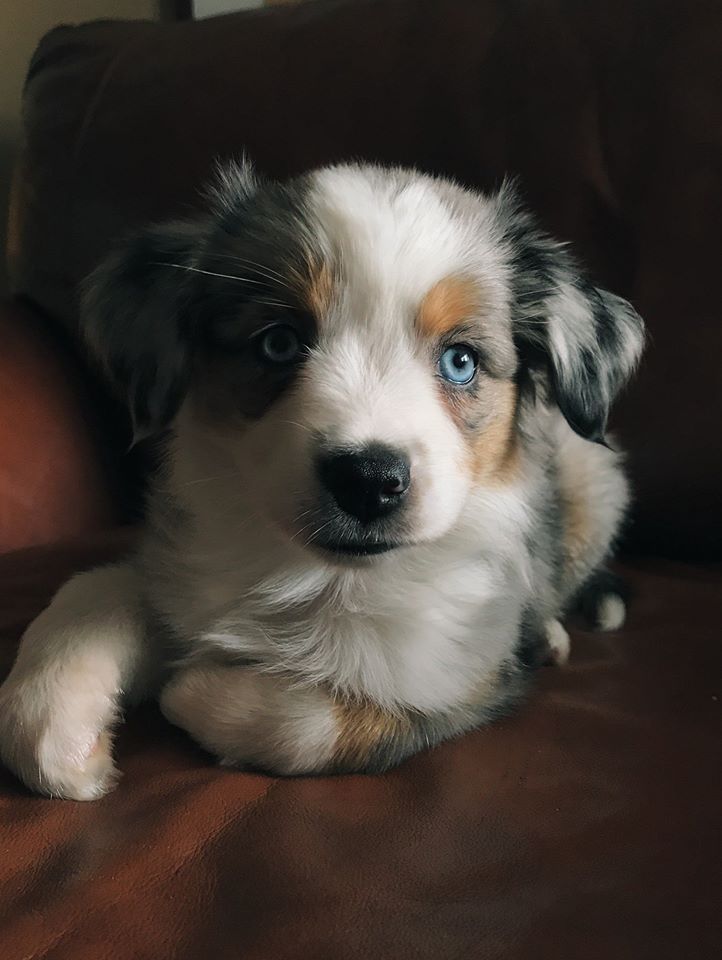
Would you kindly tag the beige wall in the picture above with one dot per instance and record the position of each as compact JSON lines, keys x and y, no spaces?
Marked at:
{"x":22,"y":23}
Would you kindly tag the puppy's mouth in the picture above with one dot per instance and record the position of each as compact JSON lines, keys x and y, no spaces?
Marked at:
{"x":355,"y":548}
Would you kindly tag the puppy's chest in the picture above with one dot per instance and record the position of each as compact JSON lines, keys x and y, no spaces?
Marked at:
{"x":428,"y":642}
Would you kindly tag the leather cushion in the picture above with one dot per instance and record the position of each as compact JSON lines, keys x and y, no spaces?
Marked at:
{"x":53,"y":483}
{"x":586,"y":826}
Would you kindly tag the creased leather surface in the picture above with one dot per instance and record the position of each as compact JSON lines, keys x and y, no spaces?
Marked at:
{"x":585,"y":827}
{"x":610,"y":112}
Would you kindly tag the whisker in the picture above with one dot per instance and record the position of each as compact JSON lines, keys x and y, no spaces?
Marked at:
{"x":304,"y":527}
{"x":221,"y":476}
{"x":208,"y":273}
{"x":272,"y":303}
{"x":310,"y":524}
{"x":295,"y":423}
{"x":310,"y":539}
{"x":229,"y":276}
{"x":302,"y":514}
{"x":254,"y":263}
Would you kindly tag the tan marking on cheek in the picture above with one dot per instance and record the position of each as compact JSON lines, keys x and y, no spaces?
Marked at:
{"x":362,"y":727}
{"x":448,"y":304}
{"x":495,"y":449}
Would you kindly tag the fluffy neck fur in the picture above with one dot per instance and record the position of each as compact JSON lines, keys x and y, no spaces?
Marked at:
{"x":422,"y":626}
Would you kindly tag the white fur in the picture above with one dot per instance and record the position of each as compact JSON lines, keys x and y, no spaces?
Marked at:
{"x":558,"y":642}
{"x":62,"y":697}
{"x":611,"y":612}
{"x":590,"y":474}
{"x":243,"y":716}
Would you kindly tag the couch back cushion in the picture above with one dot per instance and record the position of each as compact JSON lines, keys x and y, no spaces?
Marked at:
{"x":609,"y":112}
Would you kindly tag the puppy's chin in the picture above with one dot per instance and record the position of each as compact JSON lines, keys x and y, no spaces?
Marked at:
{"x":338,"y":545}
{"x":345,"y":552}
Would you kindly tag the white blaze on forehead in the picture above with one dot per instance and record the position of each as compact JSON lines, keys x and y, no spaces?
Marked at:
{"x":392,"y":236}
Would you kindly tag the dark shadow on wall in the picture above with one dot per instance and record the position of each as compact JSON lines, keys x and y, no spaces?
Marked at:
{"x":7,"y":160}
{"x":175,"y":9}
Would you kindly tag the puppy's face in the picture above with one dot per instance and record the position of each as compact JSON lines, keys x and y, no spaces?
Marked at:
{"x":362,"y":363}
{"x":359,"y":342}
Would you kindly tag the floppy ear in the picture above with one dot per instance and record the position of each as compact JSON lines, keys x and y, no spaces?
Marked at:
{"x":137,"y":310}
{"x":591,"y":341}
{"x":136,"y":319}
{"x":588,"y":341}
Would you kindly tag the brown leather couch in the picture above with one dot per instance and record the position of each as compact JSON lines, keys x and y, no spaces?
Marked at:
{"x":588,"y":825}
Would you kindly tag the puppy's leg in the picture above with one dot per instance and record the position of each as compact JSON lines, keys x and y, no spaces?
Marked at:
{"x":249,"y":718}
{"x":594,"y":496}
{"x":61,"y":699}
{"x":602,"y":600}
{"x":558,"y":642}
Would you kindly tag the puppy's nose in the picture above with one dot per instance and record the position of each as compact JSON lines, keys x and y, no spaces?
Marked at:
{"x":367,"y":484}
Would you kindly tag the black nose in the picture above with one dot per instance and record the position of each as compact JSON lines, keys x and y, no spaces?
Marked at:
{"x":369,"y":483}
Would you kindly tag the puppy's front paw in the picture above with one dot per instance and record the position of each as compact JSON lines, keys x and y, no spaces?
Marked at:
{"x":61,"y":751}
{"x":558,"y":642}
{"x":602,"y":600}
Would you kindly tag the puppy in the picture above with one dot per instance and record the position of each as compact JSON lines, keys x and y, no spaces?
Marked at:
{"x":385,"y":480}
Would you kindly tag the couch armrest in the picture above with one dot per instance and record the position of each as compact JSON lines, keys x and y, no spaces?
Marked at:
{"x":52,"y":483}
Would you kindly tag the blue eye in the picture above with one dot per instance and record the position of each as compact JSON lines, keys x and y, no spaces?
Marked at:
{"x":458,"y":363}
{"x":279,"y":344}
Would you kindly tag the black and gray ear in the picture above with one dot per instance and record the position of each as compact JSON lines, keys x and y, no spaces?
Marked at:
{"x":137,"y":306}
{"x":590,"y":342}
{"x":586,"y":340}
{"x":136,"y":318}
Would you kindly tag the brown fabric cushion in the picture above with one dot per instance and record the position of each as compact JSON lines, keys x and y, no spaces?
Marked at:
{"x":610,"y":111}
{"x":586,"y":826}
{"x":52,"y":482}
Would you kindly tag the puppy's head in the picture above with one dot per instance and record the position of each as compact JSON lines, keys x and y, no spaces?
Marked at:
{"x":359,"y":343}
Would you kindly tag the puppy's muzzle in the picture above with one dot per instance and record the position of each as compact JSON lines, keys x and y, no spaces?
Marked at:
{"x":368,"y":484}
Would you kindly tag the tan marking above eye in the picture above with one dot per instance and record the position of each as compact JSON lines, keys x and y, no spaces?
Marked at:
{"x":318,"y":289}
{"x":448,"y":304}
